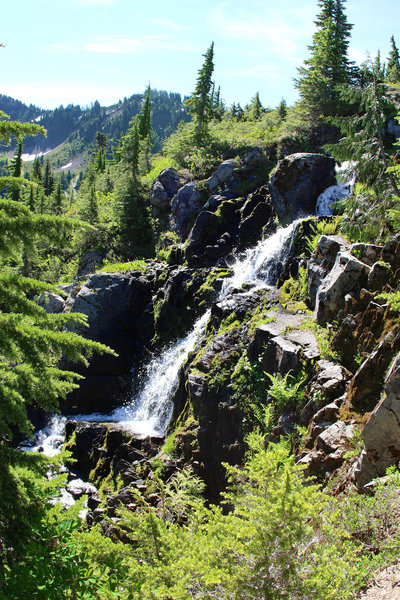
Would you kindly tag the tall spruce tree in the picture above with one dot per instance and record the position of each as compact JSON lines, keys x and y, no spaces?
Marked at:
{"x":200,"y":102}
{"x":328,"y":66}
{"x":393,"y":65}
{"x":32,"y":342}
{"x":144,"y":126}
{"x":16,"y":171}
{"x":363,"y":142}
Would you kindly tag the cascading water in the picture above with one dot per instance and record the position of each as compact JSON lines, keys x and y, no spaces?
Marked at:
{"x":150,"y":410}
{"x":346,"y":179}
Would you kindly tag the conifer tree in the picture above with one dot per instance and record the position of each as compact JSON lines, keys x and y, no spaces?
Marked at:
{"x":128,"y":149}
{"x":200,"y":103}
{"x":328,"y":66}
{"x":16,"y":171}
{"x":57,"y":199}
{"x":48,"y":178}
{"x":282,"y":109}
{"x":393,"y":66}
{"x":144,"y":126}
{"x":255,"y":109}
{"x":363,"y":141}
{"x":32,"y":342}
{"x":37,"y":170}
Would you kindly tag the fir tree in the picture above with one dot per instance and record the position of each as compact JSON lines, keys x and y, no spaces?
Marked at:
{"x":255,"y":109}
{"x":328,"y":66}
{"x":16,"y":171}
{"x":127,"y":151}
{"x":37,"y":170}
{"x":282,"y":110}
{"x":57,"y":199}
{"x":364,"y":143}
{"x":48,"y":178}
{"x":200,"y":103}
{"x":32,"y":342}
{"x":144,"y":126}
{"x":393,"y":66}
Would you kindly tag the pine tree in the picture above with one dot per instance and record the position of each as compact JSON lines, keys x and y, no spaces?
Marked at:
{"x":57,"y":197}
{"x":15,"y":169}
{"x":128,"y":149}
{"x":363,"y":143}
{"x":37,"y":170}
{"x":255,"y":109}
{"x":144,"y":126}
{"x":199,"y":103}
{"x":393,"y":66}
{"x":282,"y":109}
{"x":328,"y":66}
{"x":48,"y":178}
{"x":32,"y":342}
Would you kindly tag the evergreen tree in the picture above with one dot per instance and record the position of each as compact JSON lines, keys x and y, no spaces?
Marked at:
{"x":393,"y":66}
{"x":57,"y":199}
{"x":48,"y":178}
{"x":128,"y":149}
{"x":200,"y":103}
{"x":364,"y":143}
{"x":15,"y":169}
{"x":31,"y":341}
{"x":282,"y":110}
{"x":328,"y":66}
{"x":37,"y":170}
{"x":255,"y":109}
{"x":144,"y":126}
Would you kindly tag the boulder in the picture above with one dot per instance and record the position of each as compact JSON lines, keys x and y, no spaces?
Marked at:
{"x":381,"y":433}
{"x":159,"y":199}
{"x":89,"y":263}
{"x":378,"y":276}
{"x":119,"y":314}
{"x":171,"y":181}
{"x":348,"y":274}
{"x":297,"y":182}
{"x":322,"y":261}
{"x":221,"y":175}
{"x":52,"y":303}
{"x":185,"y":206}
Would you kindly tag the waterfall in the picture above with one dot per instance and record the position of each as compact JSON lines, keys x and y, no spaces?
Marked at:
{"x":346,"y":179}
{"x":150,"y":410}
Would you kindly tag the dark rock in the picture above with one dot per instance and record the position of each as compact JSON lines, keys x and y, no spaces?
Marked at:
{"x":378,"y":276}
{"x":297,"y":182}
{"x":89,"y":263}
{"x":322,"y":261}
{"x":52,"y":303}
{"x":185,"y":205}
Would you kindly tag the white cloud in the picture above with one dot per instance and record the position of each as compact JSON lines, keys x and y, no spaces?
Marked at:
{"x":116,"y":44}
{"x":167,"y":24}
{"x":281,"y":33}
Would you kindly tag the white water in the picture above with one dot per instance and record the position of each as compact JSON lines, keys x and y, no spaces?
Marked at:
{"x":346,"y":179}
{"x":150,"y":410}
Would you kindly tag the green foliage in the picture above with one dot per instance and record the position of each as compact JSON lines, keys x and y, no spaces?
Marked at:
{"x":286,"y":390}
{"x":200,"y":103}
{"x":393,"y":299}
{"x":295,"y":289}
{"x":281,"y":539}
{"x":250,"y":384}
{"x":328,"y":66}
{"x":393,"y":65}
{"x":322,"y":227}
{"x":40,"y":554}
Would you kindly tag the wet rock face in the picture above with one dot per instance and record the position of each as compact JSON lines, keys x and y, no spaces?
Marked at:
{"x":297,"y":182}
{"x":381,"y":434}
{"x":118,"y":310}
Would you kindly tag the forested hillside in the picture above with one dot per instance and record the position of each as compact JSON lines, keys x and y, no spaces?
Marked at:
{"x":200,"y":340}
{"x":75,"y":127}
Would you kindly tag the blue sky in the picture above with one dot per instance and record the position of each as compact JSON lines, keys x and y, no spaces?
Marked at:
{"x":78,"y":51}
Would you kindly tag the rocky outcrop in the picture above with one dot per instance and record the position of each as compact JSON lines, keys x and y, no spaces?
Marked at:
{"x":163,"y":190}
{"x":347,"y":275}
{"x":381,"y":433}
{"x":118,"y":307}
{"x":297,"y":182}
{"x":185,"y":207}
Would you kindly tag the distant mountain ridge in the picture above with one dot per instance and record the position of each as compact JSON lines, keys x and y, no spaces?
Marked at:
{"x":71,"y":129}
